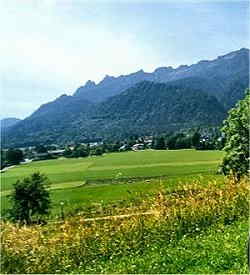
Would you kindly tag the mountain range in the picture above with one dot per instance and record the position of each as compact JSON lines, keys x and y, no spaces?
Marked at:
{"x":140,"y":103}
{"x":8,"y":122}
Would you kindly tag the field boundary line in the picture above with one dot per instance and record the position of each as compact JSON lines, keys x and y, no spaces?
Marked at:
{"x":53,"y":187}
{"x":161,"y":164}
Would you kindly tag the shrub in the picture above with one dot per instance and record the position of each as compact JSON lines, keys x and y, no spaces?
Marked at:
{"x":30,"y":199}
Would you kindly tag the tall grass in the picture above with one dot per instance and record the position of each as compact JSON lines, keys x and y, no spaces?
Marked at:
{"x":80,"y":245}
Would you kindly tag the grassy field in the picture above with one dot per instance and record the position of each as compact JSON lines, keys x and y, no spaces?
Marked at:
{"x":219,"y":249}
{"x":194,"y":229}
{"x":123,"y":165}
{"x":164,"y":212}
{"x":128,"y":170}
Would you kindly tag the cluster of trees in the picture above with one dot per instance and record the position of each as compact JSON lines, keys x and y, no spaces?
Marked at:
{"x":192,"y":139}
{"x":185,"y":141}
{"x":177,"y":141}
{"x":11,"y":157}
{"x":83,"y":151}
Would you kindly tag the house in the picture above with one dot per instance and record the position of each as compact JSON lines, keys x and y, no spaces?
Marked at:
{"x":123,"y":147}
{"x":149,"y":142}
{"x":138,"y":146}
{"x":95,"y":144}
{"x":57,"y":152}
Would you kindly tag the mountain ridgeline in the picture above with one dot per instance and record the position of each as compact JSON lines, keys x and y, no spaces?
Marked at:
{"x":220,"y":73}
{"x":8,"y":122}
{"x":140,"y":103}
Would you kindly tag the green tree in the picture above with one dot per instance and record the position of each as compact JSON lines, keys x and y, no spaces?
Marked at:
{"x":183,"y":143}
{"x":196,"y":139}
{"x":41,"y":149}
{"x":3,"y":161}
{"x":236,"y":131}
{"x":30,"y":199}
{"x":68,"y":152}
{"x":80,"y":151}
{"x":160,"y":143}
{"x":171,"y":142}
{"x":14,"y":156}
{"x":116,"y":146}
{"x":98,"y":152}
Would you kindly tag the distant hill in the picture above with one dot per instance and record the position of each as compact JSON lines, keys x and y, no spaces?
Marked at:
{"x":140,"y":103}
{"x":8,"y":122}
{"x":52,"y":121}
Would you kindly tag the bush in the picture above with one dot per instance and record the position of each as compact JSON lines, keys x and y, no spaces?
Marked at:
{"x":30,"y":199}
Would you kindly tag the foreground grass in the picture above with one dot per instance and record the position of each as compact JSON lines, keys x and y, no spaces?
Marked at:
{"x":219,"y":249}
{"x":194,"y":228}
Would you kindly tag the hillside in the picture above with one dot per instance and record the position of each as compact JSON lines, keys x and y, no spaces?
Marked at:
{"x":49,"y":123}
{"x":156,"y":107}
{"x":147,"y":108}
{"x":140,"y":103}
{"x":8,"y":122}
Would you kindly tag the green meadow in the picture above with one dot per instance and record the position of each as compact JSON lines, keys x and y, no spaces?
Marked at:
{"x":118,"y":165}
{"x":114,"y":177}
{"x":181,"y":217}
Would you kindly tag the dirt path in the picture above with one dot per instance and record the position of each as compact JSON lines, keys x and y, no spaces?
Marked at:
{"x":152,"y":212}
{"x":7,"y":168}
{"x":56,"y":186}
{"x":122,"y":216}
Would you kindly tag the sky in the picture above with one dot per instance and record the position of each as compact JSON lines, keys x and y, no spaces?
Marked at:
{"x":51,"y":47}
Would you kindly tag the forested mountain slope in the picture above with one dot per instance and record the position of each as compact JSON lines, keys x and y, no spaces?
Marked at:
{"x":140,"y":103}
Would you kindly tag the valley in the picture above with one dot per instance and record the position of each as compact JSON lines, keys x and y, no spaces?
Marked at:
{"x":124,"y":135}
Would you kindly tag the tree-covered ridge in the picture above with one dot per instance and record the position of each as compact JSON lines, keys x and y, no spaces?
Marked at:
{"x":50,"y":122}
{"x":8,"y":122}
{"x":154,"y":108}
{"x":147,"y":108}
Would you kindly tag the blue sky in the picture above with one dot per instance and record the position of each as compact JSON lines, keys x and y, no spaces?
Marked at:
{"x":51,"y":47}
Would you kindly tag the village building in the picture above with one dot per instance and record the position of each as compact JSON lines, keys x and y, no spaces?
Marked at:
{"x":138,"y":146}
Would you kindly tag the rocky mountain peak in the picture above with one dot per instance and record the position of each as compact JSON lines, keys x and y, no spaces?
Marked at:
{"x":90,"y":84}
{"x":163,"y":70}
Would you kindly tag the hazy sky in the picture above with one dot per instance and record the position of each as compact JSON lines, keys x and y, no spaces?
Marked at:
{"x":51,"y":47}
